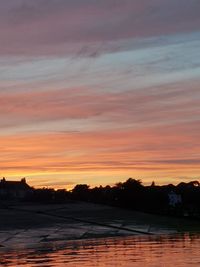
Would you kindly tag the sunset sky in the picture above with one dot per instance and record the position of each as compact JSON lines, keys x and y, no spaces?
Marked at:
{"x":97,"y":91}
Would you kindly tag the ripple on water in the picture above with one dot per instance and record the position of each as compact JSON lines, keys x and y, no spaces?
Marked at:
{"x":152,"y":251}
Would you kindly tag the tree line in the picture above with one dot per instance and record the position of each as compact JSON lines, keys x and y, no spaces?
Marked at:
{"x":179,"y":200}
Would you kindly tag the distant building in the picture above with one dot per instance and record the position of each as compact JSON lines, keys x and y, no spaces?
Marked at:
{"x":174,"y":199}
{"x":14,"y":189}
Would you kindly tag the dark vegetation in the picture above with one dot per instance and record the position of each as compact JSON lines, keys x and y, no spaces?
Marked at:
{"x":180,"y":200}
{"x":153,"y":199}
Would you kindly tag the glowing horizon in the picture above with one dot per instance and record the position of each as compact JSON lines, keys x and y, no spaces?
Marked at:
{"x":98,"y":91}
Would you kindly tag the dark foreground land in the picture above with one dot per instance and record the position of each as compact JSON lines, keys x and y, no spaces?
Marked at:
{"x":32,"y":224}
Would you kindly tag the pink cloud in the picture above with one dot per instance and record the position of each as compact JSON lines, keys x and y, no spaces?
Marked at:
{"x":141,"y":108}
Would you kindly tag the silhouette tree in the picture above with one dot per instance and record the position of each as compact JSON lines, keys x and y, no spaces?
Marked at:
{"x":81,"y":191}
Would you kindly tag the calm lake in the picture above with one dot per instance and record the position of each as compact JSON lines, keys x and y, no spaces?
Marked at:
{"x":152,"y":251}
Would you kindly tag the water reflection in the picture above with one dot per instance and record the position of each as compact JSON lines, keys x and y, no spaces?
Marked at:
{"x":151,"y":251}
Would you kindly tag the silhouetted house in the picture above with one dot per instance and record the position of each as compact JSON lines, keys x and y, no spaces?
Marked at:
{"x":174,"y":199}
{"x":14,"y":189}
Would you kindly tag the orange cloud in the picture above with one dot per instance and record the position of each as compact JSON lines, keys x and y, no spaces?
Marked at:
{"x":145,"y":152}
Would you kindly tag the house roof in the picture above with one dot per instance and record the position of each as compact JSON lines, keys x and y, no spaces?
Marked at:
{"x":14,"y":185}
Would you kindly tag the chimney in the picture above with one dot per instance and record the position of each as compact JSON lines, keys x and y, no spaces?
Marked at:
{"x":23,"y":180}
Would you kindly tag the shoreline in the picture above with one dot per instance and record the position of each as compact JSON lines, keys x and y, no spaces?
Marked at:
{"x":24,"y":224}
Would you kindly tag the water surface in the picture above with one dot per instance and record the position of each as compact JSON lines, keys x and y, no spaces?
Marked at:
{"x":153,"y":251}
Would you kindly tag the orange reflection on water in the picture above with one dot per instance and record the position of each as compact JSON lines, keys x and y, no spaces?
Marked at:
{"x":178,"y":250}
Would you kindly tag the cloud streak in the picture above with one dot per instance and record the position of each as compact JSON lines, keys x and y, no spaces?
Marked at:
{"x":136,"y":152}
{"x":62,"y":27}
{"x":167,"y":105}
